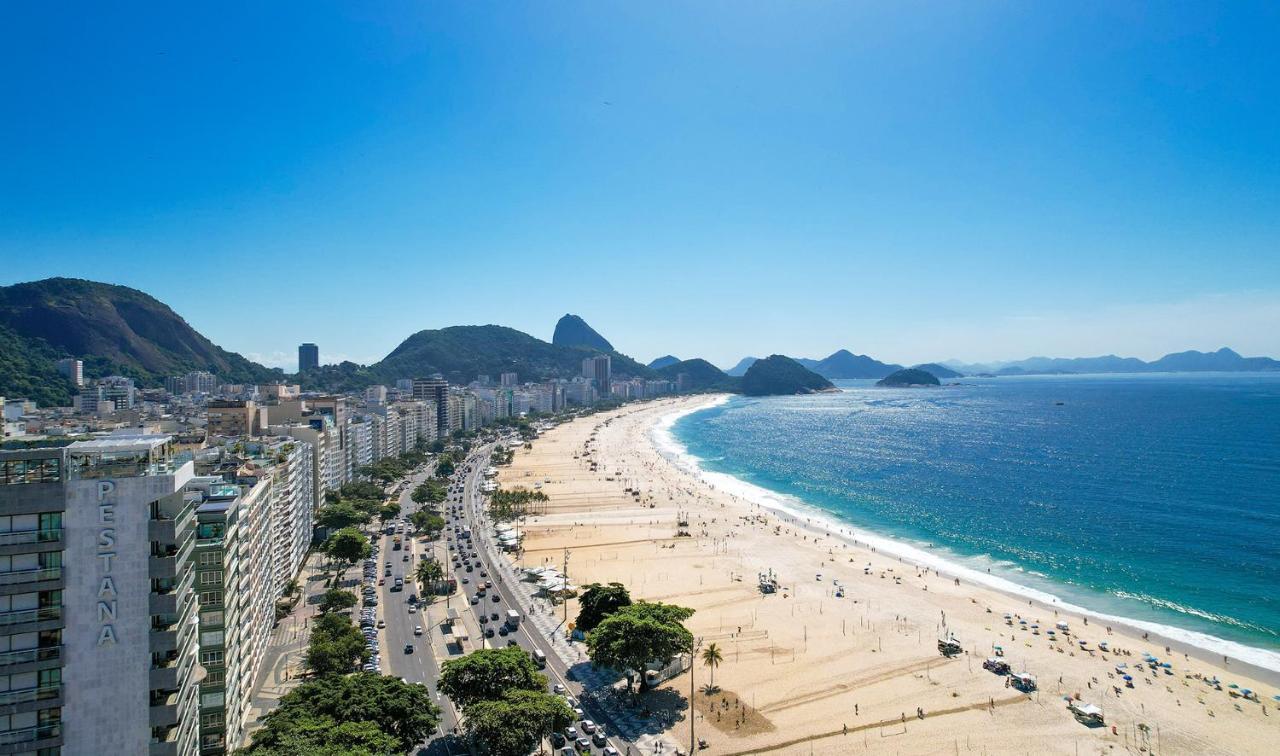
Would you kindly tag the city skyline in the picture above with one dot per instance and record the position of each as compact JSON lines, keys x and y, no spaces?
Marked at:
{"x":979,"y":183}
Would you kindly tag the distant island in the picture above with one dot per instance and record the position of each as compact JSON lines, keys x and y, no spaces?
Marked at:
{"x":776,"y":375}
{"x":909,"y":377}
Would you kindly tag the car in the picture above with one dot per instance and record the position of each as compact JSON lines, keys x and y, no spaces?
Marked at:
{"x":408,"y":648}
{"x":496,"y":598}
{"x":488,"y":632}
{"x":571,"y":733}
{"x":406,"y":558}
{"x":599,"y":739}
{"x":475,"y":600}
{"x":382,"y":581}
{"x":413,"y":598}
{"x":466,"y":580}
{"x":481,"y":592}
{"x":483,"y":573}
{"x":503,"y":631}
{"x":494,"y":616}
{"x":386,"y":572}
{"x":558,"y":689}
{"x":468,"y":568}
{"x":583,"y":745}
{"x":413,"y":609}
{"x":487,"y":583}
{"x":587,"y":726}
{"x":417,"y":630}
{"x":483,"y":619}
{"x":557,"y":740}
{"x":387,"y":565}
{"x":611,"y":751}
{"x":382,"y":623}
{"x":578,"y":712}
{"x":512,"y":642}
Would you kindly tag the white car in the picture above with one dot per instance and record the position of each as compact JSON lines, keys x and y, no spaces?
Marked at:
{"x":413,"y":609}
{"x":417,"y":630}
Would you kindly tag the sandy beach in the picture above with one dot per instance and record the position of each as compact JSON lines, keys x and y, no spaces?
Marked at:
{"x":807,"y":671}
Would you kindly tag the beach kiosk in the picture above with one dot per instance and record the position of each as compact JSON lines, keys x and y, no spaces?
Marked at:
{"x":949,"y":646}
{"x":996,"y":665}
{"x":1087,"y":713}
{"x":1023,"y":681}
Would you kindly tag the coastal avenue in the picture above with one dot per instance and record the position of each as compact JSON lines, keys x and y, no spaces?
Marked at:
{"x":423,"y":666}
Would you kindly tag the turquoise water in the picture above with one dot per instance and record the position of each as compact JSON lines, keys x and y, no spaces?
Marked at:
{"x":1152,"y":497}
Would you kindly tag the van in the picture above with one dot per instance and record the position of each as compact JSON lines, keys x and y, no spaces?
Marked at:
{"x":540,"y":659}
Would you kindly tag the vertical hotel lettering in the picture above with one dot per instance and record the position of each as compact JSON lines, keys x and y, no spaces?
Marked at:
{"x":107,"y":595}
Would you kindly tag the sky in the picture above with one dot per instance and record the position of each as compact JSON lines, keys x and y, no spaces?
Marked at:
{"x":914,"y":181}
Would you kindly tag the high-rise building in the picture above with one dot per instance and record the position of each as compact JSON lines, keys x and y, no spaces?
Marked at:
{"x":599,"y":371}
{"x":308,"y":357}
{"x":435,"y":389}
{"x":107,"y":648}
{"x":510,"y":380}
{"x":233,"y":418}
{"x":73,"y":369}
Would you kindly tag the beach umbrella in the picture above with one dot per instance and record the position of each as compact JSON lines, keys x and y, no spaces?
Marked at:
{"x":1233,"y":686}
{"x":1128,"y":678}
{"x":1276,"y":698}
{"x":1247,"y":692}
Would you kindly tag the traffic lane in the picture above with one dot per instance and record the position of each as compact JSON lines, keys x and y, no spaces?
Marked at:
{"x":525,"y":635}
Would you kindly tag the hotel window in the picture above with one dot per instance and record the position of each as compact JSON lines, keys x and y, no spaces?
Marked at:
{"x":208,"y":658}
{"x":210,"y":598}
{"x":211,"y":720}
{"x":212,"y":577}
{"x":211,"y":638}
{"x":209,"y":619}
{"x":212,"y":699}
{"x":210,"y":558}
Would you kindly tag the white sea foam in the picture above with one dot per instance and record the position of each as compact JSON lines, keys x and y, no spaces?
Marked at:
{"x":921,"y":554}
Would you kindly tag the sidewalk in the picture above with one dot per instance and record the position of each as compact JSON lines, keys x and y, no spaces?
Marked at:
{"x":282,"y":661}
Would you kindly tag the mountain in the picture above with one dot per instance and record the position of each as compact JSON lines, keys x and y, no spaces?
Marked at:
{"x":909,"y":377}
{"x":460,"y":353}
{"x":114,"y":329}
{"x":573,"y":331}
{"x":938,"y":371}
{"x":662,"y":362}
{"x":777,"y":374}
{"x":740,"y":369}
{"x":1224,"y":360}
{"x":845,"y":364}
{"x":703,"y":376}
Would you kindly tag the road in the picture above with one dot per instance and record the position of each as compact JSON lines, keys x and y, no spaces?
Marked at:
{"x":437,"y":643}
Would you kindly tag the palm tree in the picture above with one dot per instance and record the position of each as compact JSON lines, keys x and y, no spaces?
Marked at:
{"x":711,"y":657}
{"x":429,"y":572}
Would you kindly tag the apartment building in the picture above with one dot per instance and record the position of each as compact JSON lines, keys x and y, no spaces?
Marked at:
{"x":234,"y":417}
{"x":100,"y":658}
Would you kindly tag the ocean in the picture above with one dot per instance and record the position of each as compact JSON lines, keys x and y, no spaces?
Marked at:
{"x":1149,"y":498}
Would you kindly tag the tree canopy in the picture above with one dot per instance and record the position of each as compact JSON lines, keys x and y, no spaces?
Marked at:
{"x":599,"y":601}
{"x":341,"y":514}
{"x":336,"y":646}
{"x":516,"y":723}
{"x":426,"y":522}
{"x":488,"y":674}
{"x":336,"y":599}
{"x":357,"y":714}
{"x":636,"y":635}
{"x":348,"y":545}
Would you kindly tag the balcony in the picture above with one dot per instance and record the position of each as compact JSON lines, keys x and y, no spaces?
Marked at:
{"x":31,"y":735}
{"x":30,"y":655}
{"x":20,"y":537}
{"x":20,"y":616}
{"x":164,"y":709}
{"x":23,"y":695}
{"x":21,"y":577}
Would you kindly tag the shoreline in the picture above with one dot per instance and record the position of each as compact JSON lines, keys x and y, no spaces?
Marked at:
{"x":1211,"y":649}
{"x":847,"y":646}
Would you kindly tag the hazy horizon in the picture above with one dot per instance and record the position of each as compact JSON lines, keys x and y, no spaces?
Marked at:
{"x":978,"y":182}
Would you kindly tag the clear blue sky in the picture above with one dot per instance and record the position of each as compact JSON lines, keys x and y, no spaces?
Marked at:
{"x":914,"y":181}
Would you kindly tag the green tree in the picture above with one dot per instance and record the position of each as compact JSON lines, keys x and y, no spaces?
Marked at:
{"x":427,"y":523}
{"x":340,"y":515}
{"x":361,"y":714}
{"x":389,"y":512}
{"x":487,"y":674}
{"x":634,"y":636}
{"x":712,"y":656}
{"x":336,"y":599}
{"x":429,"y":573}
{"x":348,"y":545}
{"x":335,"y":646}
{"x":599,"y":601}
{"x":516,"y":723}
